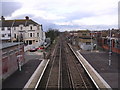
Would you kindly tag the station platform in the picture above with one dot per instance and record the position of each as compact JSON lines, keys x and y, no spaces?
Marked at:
{"x":19,"y":78}
{"x":94,"y":74}
{"x":100,"y":62}
{"x":34,"y":80}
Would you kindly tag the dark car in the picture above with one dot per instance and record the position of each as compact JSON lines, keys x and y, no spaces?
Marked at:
{"x":33,"y":49}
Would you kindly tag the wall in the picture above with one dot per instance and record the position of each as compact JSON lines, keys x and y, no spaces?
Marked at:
{"x":83,"y":46}
{"x":9,"y":60}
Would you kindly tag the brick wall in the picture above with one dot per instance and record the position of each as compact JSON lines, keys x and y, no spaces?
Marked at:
{"x":10,"y":60}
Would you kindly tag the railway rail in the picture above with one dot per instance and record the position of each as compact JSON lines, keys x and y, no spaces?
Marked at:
{"x":64,"y":71}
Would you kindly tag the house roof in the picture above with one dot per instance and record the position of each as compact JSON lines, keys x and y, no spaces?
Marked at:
{"x":17,"y":22}
{"x":7,"y":45}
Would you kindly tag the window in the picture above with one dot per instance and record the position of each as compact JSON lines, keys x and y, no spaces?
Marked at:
{"x":3,"y":28}
{"x":88,"y":43}
{"x":84,"y":34}
{"x":26,"y":43}
{"x":30,"y":34}
{"x":33,"y":34}
{"x":30,"y":42}
{"x":31,"y":27}
{"x":38,"y":27}
{"x":21,"y":28}
{"x":3,"y":35}
{"x":9,"y":28}
{"x":9,"y":35}
{"x":105,"y":41}
{"x":14,"y":35}
{"x":37,"y":34}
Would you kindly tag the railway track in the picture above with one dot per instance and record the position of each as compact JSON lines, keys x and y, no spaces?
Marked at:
{"x":64,"y":71}
{"x":79,"y":76}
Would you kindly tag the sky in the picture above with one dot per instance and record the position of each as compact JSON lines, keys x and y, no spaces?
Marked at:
{"x":65,"y":14}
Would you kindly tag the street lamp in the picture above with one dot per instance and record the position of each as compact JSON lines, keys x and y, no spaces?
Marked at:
{"x":91,"y":42}
{"x":110,"y":51}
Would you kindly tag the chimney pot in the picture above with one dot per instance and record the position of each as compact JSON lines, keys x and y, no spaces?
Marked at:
{"x":27,"y":18}
{"x":2,"y":18}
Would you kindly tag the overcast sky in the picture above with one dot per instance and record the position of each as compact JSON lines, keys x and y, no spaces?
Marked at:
{"x":65,"y":14}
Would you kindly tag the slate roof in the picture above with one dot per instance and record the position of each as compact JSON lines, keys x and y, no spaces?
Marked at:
{"x":6,"y":45}
{"x":17,"y":22}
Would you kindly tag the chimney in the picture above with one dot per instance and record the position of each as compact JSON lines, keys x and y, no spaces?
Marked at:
{"x":2,"y":18}
{"x":27,"y":18}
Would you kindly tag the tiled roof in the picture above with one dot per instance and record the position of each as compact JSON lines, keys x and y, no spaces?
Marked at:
{"x":16,"y":23}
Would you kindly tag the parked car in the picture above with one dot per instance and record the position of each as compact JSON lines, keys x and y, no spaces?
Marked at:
{"x":41,"y":48}
{"x":33,"y":49}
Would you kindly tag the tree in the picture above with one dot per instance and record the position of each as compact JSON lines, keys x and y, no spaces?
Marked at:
{"x":52,"y":34}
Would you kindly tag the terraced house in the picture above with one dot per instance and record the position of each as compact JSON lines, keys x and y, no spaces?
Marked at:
{"x":22,"y":30}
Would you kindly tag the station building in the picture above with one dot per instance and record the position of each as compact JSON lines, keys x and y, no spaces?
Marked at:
{"x":12,"y":58}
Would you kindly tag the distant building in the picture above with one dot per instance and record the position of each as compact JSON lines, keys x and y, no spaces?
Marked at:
{"x":12,"y":56}
{"x":25,"y":30}
{"x":104,"y":37}
{"x":85,"y":40}
{"x":115,"y":44}
{"x":114,"y":39}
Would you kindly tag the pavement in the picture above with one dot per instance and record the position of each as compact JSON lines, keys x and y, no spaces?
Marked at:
{"x":19,"y":78}
{"x":99,"y":61}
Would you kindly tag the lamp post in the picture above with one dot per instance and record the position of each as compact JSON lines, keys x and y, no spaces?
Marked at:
{"x":19,"y":62}
{"x":91,"y":42}
{"x":110,"y":52}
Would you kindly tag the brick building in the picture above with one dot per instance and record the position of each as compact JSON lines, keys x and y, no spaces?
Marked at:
{"x":12,"y":58}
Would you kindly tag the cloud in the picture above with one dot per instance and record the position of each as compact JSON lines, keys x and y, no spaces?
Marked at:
{"x":98,"y":20}
{"x":9,"y":7}
{"x":68,"y":12}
